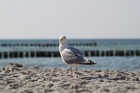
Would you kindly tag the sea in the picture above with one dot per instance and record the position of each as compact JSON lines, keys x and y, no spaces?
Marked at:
{"x":130,"y":63}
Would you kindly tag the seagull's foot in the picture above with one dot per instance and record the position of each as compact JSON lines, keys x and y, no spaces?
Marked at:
{"x":77,"y":76}
{"x":66,"y":72}
{"x":71,"y":76}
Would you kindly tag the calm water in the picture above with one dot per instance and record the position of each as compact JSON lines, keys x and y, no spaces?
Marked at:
{"x":103,"y":63}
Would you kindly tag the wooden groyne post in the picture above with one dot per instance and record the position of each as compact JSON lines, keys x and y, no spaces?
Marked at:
{"x":93,"y":53}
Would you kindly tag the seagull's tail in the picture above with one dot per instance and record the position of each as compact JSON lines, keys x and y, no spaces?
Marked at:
{"x":90,"y":62}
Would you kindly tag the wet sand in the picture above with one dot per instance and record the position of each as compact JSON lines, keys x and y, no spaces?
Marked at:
{"x":14,"y":78}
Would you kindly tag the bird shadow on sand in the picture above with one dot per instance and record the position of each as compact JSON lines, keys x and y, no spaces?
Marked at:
{"x":88,"y":78}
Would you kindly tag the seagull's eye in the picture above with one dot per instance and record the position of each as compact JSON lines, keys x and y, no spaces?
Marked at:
{"x":64,"y":37}
{"x":61,"y":39}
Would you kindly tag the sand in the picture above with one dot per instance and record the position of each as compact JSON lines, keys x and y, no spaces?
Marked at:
{"x":14,"y":78}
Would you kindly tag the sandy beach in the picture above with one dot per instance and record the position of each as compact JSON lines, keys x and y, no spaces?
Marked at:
{"x":14,"y":78}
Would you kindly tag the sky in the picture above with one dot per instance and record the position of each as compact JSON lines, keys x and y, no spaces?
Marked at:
{"x":43,"y":19}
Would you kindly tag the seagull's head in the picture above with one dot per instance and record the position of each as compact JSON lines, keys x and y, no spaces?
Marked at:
{"x":63,"y":40}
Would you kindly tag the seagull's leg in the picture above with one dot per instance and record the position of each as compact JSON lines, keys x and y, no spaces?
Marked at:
{"x":77,"y":71}
{"x":66,"y":72}
{"x":71,"y":71}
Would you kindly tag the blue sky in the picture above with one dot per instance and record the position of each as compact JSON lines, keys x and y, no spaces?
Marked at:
{"x":42,"y":19}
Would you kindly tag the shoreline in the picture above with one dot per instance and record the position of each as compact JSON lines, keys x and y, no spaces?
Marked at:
{"x":14,"y":78}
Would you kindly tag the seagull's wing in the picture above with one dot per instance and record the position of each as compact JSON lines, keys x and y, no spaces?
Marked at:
{"x":76,"y":51}
{"x":72,"y":55}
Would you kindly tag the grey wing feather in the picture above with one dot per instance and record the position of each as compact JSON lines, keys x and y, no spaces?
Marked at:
{"x":76,"y":51}
{"x":72,"y":55}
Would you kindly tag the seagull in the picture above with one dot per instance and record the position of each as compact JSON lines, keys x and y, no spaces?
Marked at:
{"x":72,"y":56}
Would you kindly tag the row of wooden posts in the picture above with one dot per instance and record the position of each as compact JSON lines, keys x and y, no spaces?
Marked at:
{"x":48,"y":44}
{"x":97,"y":53}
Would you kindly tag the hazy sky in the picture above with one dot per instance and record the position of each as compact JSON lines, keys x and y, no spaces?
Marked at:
{"x":74,"y":18}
